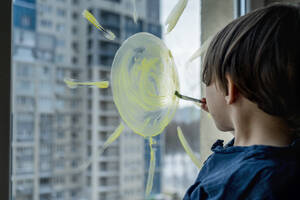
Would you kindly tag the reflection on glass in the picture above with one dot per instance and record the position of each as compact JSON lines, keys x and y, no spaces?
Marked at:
{"x":55,"y":128}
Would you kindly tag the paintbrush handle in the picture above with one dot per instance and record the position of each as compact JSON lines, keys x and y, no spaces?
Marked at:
{"x":187,"y":98}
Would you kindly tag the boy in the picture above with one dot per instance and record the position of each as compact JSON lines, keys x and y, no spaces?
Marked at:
{"x":252,"y":76}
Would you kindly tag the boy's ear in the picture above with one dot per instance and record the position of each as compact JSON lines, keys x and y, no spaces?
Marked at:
{"x":232,"y":92}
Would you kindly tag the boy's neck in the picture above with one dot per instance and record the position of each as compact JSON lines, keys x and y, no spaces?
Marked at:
{"x":255,"y":127}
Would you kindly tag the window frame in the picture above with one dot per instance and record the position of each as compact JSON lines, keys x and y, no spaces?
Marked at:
{"x":241,"y":7}
{"x":5,"y":114}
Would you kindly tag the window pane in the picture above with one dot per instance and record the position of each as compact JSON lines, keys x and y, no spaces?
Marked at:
{"x":57,"y":129}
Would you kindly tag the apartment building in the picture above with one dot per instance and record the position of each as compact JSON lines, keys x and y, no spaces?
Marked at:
{"x":55,"y":128}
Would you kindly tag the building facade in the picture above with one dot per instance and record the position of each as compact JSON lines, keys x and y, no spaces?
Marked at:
{"x":55,"y":129}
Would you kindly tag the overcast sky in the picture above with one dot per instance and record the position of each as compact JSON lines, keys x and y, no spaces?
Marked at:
{"x":183,"y":41}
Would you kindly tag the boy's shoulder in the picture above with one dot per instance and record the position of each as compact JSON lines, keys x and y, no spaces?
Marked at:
{"x":254,"y":172}
{"x":255,"y":158}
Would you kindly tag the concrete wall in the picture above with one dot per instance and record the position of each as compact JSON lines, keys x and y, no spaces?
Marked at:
{"x":215,"y":14}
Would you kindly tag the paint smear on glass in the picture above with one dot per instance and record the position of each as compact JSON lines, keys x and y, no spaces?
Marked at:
{"x":175,"y":15}
{"x":151,"y":168}
{"x":134,"y":14}
{"x":90,"y":17}
{"x":201,"y":50}
{"x":144,"y":80}
{"x":187,"y":148}
{"x":74,"y":84}
{"x":115,"y":135}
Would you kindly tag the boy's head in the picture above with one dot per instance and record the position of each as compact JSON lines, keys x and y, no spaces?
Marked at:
{"x":260,"y":54}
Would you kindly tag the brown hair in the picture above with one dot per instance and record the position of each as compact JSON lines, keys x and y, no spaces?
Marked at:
{"x":261,"y":53}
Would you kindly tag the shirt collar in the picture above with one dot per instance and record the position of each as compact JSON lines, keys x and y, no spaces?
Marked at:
{"x":228,"y":148}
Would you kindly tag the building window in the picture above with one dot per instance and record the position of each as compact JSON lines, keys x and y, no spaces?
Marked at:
{"x":75,"y":2}
{"x":60,"y":164}
{"x":46,"y":23}
{"x":108,"y":48}
{"x":75,"y":60}
{"x":60,"y":12}
{"x":60,"y":28}
{"x":24,"y":71}
{"x":103,"y":196}
{"x":110,"y":19}
{"x":90,"y":44}
{"x":115,"y":1}
{"x":106,"y":60}
{"x":74,"y":30}
{"x":26,"y":101}
{"x":90,"y":29}
{"x":44,"y":8}
{"x":44,"y":55}
{"x":60,"y":43}
{"x":59,"y":195}
{"x":75,"y":15}
{"x":75,"y":46}
{"x":89,"y":60}
{"x":131,"y":28}
{"x":59,"y":58}
{"x":154,"y":29}
{"x":25,"y":21}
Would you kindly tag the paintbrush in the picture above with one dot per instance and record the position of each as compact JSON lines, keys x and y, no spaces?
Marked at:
{"x":187,"y":98}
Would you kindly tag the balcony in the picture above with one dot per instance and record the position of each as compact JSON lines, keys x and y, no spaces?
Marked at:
{"x":106,"y":98}
{"x":27,"y":170}
{"x":109,"y":158}
{"x":112,"y":113}
{"x":110,"y":19}
{"x":45,"y":189}
{"x":24,"y":190}
{"x":108,"y":188}
{"x":108,"y":173}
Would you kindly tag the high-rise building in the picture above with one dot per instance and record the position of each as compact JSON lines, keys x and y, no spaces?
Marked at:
{"x":56,"y":128}
{"x":47,"y":124}
{"x":124,"y":160}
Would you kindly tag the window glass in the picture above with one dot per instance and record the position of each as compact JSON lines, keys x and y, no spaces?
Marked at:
{"x":55,"y":129}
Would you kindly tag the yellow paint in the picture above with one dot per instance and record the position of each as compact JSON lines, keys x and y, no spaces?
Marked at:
{"x":73,"y":84}
{"x":134,"y":14}
{"x":90,"y":17}
{"x":187,"y":148}
{"x":115,"y":135}
{"x":175,"y":15}
{"x":144,"y":80}
{"x":201,"y":50}
{"x":151,"y":168}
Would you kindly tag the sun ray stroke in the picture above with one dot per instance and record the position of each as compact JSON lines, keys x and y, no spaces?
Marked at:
{"x":187,"y":148}
{"x":151,"y":167}
{"x":115,"y":135}
{"x":90,"y":17}
{"x":201,"y":51}
{"x":73,"y":84}
{"x":175,"y":15}
{"x":134,"y":14}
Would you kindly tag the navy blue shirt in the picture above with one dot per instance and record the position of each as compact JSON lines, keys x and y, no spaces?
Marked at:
{"x":249,"y":172}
